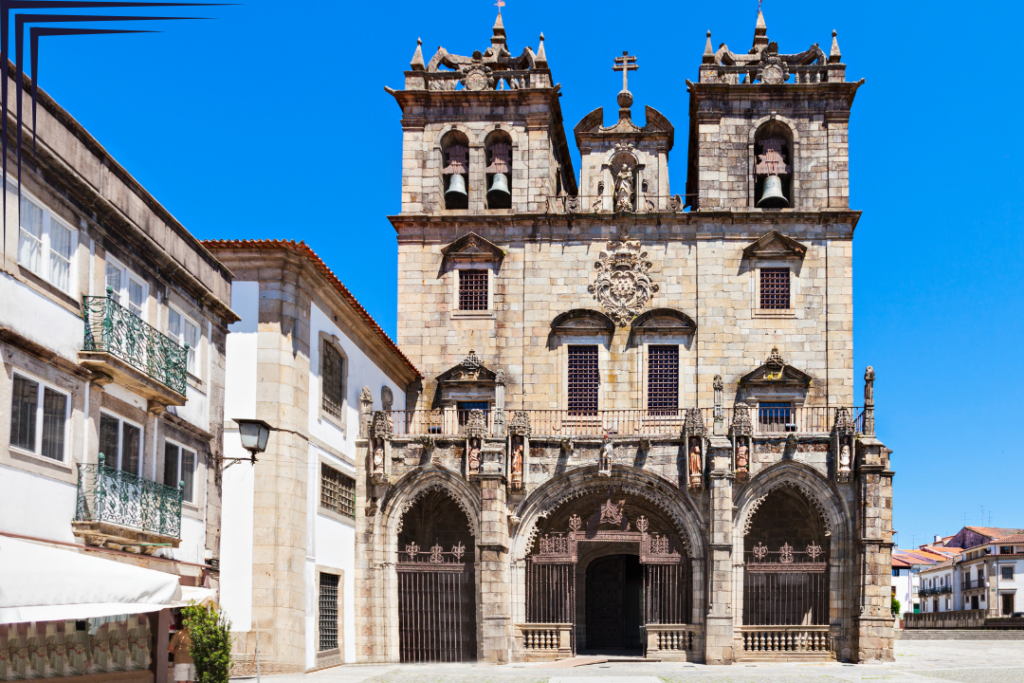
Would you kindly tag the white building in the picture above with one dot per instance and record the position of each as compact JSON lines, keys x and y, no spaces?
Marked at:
{"x":307,"y":359}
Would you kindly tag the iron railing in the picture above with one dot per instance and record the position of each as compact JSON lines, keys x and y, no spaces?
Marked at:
{"x":623,"y":423}
{"x":111,"y":327}
{"x":107,"y":494}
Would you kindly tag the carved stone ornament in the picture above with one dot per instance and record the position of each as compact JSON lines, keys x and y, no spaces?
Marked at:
{"x":476,"y":423}
{"x":623,"y":286}
{"x":365,"y":395}
{"x":611,"y":511}
{"x":694,"y":425}
{"x":520,"y":424}
{"x":772,"y":70}
{"x":741,"y":425}
{"x":844,"y":427}
{"x":387,"y":398}
{"x":478,"y":78}
{"x":471,"y":363}
{"x":775,"y":361}
{"x":382,"y":426}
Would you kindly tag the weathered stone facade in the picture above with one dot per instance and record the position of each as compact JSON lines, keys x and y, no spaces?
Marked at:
{"x":748,"y":308}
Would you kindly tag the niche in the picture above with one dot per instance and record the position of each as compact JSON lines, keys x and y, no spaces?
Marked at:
{"x":455,"y":170}
{"x":498,"y":147}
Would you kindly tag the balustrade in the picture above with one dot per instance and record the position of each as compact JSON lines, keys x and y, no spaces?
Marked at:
{"x":545,"y":642}
{"x":786,"y":639}
{"x":672,"y":641}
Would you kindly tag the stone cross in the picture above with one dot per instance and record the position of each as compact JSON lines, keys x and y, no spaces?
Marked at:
{"x":625,"y":64}
{"x":499,"y":5}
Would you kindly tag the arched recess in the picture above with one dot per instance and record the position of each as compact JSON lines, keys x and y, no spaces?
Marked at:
{"x":780,"y":126}
{"x":445,"y":493}
{"x":581,"y":498}
{"x":790,"y":504}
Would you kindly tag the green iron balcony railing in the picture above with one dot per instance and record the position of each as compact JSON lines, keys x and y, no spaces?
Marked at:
{"x":111,"y":327}
{"x":107,"y":494}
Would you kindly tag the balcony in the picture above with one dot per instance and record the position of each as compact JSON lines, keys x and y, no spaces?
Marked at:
{"x":667,"y":424}
{"x":972,"y":584}
{"x":121,"y":346}
{"x":123,"y":511}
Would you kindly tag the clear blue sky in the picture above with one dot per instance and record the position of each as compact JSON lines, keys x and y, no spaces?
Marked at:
{"x":272,"y":122}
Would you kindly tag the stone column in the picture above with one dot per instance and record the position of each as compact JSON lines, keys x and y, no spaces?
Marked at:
{"x":873,"y":634}
{"x":494,"y":608}
{"x":718,"y":630}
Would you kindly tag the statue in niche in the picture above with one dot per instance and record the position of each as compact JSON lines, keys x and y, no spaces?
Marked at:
{"x":742,"y":458}
{"x":378,"y":460}
{"x":604,"y":461}
{"x":695,"y":463}
{"x":844,"y":459}
{"x":473,"y":457}
{"x":518,"y":446}
{"x":624,"y":189}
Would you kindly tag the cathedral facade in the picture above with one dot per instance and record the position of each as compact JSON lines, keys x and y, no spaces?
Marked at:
{"x":639,"y":429}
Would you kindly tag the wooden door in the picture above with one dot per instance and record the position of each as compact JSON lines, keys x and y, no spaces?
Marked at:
{"x":606,"y":581}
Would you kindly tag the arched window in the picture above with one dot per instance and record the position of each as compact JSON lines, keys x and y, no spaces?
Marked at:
{"x":455,"y":170}
{"x":498,"y":147}
{"x":773,"y":168}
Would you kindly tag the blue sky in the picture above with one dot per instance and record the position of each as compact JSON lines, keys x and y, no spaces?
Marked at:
{"x":272,"y":122}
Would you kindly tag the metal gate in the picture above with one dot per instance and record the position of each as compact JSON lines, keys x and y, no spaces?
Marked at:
{"x":436,"y":611}
{"x":667,"y":593}
{"x":785,"y":587}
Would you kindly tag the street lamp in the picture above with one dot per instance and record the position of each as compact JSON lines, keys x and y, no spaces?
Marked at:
{"x":254,"y":435}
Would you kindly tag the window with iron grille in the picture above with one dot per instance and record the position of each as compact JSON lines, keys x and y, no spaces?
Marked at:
{"x":663,"y":378}
{"x":328,"y":612}
{"x":333,"y":377}
{"x":774,"y":413}
{"x":472,"y":290}
{"x":337,"y":491}
{"x":584,"y":380}
{"x":774,"y":288}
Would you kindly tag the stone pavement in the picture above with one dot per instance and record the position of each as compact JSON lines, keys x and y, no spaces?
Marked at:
{"x":961,"y":661}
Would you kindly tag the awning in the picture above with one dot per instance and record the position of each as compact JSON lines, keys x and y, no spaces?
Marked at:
{"x":42,"y":583}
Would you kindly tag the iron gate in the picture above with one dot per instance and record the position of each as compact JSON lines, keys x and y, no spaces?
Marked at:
{"x":667,"y":593}
{"x":785,"y":587}
{"x":436,"y":613}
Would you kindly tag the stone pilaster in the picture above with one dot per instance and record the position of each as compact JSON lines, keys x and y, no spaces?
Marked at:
{"x":495,"y":624}
{"x":718,"y":644}
{"x":872,"y":627}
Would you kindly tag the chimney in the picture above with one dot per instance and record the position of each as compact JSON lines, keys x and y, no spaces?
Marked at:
{"x":938,"y":539}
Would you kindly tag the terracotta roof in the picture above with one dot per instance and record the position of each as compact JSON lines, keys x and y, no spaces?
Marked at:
{"x":944,"y":551}
{"x":918,"y":557}
{"x":304,"y":249}
{"x":994,"y":532}
{"x":1013,"y":538}
{"x":898,"y":563}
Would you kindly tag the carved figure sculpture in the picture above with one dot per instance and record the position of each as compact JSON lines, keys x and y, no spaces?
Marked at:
{"x":844,"y":459}
{"x":695,"y":463}
{"x":378,"y":460}
{"x":742,"y":458}
{"x":624,"y":189}
{"x":604,"y":464}
{"x":473,"y":458}
{"x":517,"y":462}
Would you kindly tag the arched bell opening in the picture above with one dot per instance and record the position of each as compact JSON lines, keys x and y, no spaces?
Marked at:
{"x":498,"y":149}
{"x":455,"y":170}
{"x":773,"y":170}
{"x":786,"y":557}
{"x":436,"y":582}
{"x":607,"y":566}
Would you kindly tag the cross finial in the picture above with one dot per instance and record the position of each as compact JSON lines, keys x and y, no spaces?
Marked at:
{"x":625,"y":64}
{"x":499,"y":5}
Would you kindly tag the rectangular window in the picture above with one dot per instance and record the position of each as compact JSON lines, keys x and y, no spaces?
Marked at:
{"x":328,"y":612}
{"x":472,"y":290}
{"x":180,"y":470}
{"x":121,"y":444}
{"x":584,"y":380}
{"x":463,"y":409}
{"x":192,"y":339}
{"x":663,"y":379}
{"x":774,"y":288}
{"x":181,"y":328}
{"x":1007,"y":573}
{"x":45,"y":245}
{"x":333,"y":378}
{"x":1005,"y":550}
{"x":128,"y":289}
{"x":775,"y":416}
{"x":39,"y":418}
{"x":337,"y":492}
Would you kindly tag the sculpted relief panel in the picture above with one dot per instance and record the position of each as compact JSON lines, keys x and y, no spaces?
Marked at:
{"x":623,"y":285}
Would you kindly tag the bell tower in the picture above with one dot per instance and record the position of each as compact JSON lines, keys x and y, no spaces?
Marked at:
{"x":482,"y":134}
{"x":769,"y":131}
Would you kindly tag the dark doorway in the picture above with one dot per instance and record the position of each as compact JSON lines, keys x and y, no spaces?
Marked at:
{"x":614,"y":597}
{"x":1007,"y":604}
{"x":974,"y":602}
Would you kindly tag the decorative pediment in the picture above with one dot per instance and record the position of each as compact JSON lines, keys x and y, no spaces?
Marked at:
{"x":469,"y":371}
{"x":583,"y":322}
{"x":474,"y":248}
{"x":657,"y":124}
{"x":775,"y":372}
{"x":664,"y":321}
{"x":775,"y":245}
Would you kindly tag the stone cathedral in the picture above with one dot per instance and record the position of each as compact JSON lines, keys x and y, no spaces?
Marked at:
{"x":639,"y":430}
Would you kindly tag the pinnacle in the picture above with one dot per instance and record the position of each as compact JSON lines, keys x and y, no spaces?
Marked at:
{"x":542,"y":57}
{"x":709,"y":51}
{"x":760,"y":23}
{"x":834,"y":55}
{"x":417,"y":57}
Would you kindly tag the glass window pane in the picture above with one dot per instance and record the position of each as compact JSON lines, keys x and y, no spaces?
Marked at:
{"x":23,"y":413}
{"x":114,"y":279}
{"x":192,"y":339}
{"x":55,"y":412}
{"x":29,"y":249}
{"x":60,"y":255}
{"x":174,"y":324}
{"x":131,"y":445}
{"x":31,"y":218}
{"x":109,"y":429}
{"x":135,"y":301}
{"x":188,"y":475}
{"x":171,"y":465}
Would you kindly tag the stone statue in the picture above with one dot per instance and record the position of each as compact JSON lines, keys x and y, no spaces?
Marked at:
{"x":604,"y":464}
{"x":695,"y":462}
{"x":473,"y":459}
{"x":517,"y":463}
{"x":844,"y":459}
{"x":624,"y":189}
{"x":378,"y":459}
{"x":742,"y":458}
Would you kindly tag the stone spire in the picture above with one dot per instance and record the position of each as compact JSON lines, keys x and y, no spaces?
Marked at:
{"x":709,"y":52}
{"x":417,"y":63}
{"x":760,"y":34}
{"x":835,"y":56}
{"x":498,"y":39}
{"x":541,"y":60}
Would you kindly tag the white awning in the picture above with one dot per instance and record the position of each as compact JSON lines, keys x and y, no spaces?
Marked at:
{"x":42,"y":583}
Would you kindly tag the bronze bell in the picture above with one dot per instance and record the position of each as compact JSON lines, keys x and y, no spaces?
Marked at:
{"x":455,"y":197}
{"x":772,"y":197}
{"x":498,"y":196}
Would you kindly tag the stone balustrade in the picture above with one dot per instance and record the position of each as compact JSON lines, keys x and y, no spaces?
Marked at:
{"x":544,"y":642}
{"x":673,"y":642}
{"x":759,"y":642}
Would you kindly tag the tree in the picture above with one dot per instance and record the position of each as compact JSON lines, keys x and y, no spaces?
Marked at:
{"x":895,"y":607}
{"x":209,"y":633}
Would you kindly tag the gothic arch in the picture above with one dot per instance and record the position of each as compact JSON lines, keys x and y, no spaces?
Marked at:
{"x":416,"y":484}
{"x":818,"y":491}
{"x":582,"y":481}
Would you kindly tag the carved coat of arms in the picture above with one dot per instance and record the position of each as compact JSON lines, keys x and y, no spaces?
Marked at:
{"x":623,"y":286}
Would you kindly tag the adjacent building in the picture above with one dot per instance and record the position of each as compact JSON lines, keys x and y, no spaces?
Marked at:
{"x":307,"y":359}
{"x":622,"y":398}
{"x":113,"y":320}
{"x":981,"y":577}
